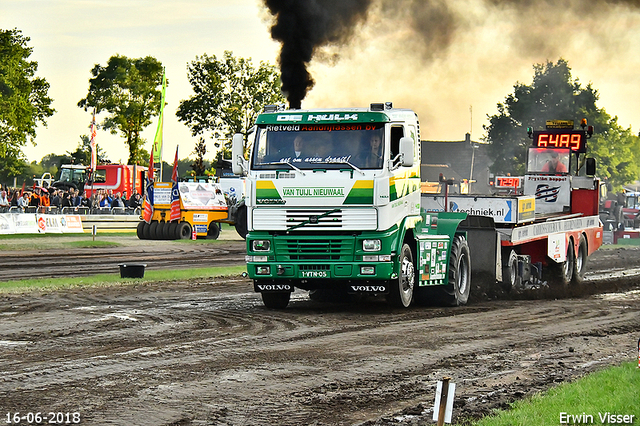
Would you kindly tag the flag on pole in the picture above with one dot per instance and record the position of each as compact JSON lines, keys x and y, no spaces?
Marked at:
{"x":157,"y":141}
{"x":94,"y":150}
{"x":147,"y":208}
{"x":175,"y":193}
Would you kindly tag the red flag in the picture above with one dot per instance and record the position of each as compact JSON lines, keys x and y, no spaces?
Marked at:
{"x":175,"y":193}
{"x":147,"y":208}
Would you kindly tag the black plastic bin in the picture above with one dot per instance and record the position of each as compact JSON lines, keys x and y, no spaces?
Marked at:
{"x":132,"y":270}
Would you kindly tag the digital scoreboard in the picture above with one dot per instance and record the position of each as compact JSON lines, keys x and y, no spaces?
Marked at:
{"x":508,"y":182}
{"x":576,"y":140}
{"x":561,"y":134}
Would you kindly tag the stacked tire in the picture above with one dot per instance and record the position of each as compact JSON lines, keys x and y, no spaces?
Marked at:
{"x":163,"y":230}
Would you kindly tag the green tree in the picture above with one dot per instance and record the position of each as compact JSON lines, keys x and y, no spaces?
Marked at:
{"x":553,"y":94}
{"x":82,"y":154}
{"x":200,"y":150}
{"x":229,"y":94}
{"x":130,"y":91}
{"x":24,"y":101}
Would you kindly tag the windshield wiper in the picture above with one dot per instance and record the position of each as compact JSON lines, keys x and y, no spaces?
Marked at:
{"x":278,"y":163}
{"x":315,"y":219}
{"x":354,"y":167}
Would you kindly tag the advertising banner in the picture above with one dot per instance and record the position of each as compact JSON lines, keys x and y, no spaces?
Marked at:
{"x":30,"y":223}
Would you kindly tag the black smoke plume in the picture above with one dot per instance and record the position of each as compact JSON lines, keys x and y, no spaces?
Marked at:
{"x":302,"y":26}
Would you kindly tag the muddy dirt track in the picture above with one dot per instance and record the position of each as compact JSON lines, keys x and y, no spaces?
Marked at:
{"x":209,"y":353}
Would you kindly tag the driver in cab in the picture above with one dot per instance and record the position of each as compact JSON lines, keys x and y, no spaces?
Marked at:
{"x":554,"y":165}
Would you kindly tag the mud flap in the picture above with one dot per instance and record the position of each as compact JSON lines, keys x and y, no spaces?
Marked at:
{"x":485,"y":250}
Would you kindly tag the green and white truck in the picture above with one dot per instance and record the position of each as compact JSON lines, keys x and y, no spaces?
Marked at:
{"x":333,"y":204}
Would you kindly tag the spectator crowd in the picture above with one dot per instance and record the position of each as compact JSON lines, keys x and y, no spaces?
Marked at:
{"x":52,"y":200}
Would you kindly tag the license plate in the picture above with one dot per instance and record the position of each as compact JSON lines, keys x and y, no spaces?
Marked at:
{"x":314,"y":274}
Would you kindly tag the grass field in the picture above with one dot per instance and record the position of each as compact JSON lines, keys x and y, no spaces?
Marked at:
{"x":611,"y":396}
{"x":104,"y":280}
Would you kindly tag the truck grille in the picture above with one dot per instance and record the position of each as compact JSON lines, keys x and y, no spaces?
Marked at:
{"x":313,"y":249}
{"x":345,"y":219}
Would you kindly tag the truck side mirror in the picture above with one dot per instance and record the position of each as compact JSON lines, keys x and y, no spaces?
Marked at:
{"x":237,"y":154}
{"x":406,"y":151}
{"x":590,"y":166}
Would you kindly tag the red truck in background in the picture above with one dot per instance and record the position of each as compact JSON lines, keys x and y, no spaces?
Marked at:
{"x":114,"y":177}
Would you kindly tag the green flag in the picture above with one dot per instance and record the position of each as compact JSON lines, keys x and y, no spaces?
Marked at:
{"x":157,"y":141}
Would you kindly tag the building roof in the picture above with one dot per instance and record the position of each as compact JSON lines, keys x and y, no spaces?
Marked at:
{"x":456,"y":155}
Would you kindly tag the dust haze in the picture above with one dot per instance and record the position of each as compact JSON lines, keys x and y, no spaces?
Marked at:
{"x":453,"y":61}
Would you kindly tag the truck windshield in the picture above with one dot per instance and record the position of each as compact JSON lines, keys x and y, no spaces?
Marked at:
{"x":326,"y":146}
{"x":548,"y":161}
{"x":71,"y":175}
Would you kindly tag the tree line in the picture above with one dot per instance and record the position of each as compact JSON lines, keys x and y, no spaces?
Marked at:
{"x":229,"y":92}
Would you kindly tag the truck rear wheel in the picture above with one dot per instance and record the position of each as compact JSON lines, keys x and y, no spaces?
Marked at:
{"x":580,"y":263}
{"x":559,"y":275}
{"x":273,"y":300}
{"x":456,"y":292}
{"x":510,"y":272}
{"x":401,"y":291}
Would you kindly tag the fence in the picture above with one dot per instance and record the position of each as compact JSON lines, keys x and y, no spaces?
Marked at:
{"x":82,"y":211}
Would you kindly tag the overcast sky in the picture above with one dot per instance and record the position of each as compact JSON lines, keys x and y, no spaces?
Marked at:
{"x":452,"y":86}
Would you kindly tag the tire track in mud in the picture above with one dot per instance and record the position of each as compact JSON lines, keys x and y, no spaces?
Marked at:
{"x":361,"y":357}
{"x":210,"y":353}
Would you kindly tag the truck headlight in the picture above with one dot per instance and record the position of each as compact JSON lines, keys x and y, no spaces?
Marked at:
{"x":371,"y":245}
{"x":367,"y":270}
{"x":261,"y":245}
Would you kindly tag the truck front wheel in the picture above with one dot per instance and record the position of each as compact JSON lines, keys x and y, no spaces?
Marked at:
{"x":401,"y":292}
{"x":273,"y":300}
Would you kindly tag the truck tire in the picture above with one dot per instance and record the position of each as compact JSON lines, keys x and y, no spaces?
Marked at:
{"x":153,"y":230}
{"x":213,"y":232}
{"x":146,"y":231}
{"x":140,"y":230}
{"x":276,"y":300}
{"x":401,"y":289}
{"x":559,"y":275}
{"x":510,"y":272}
{"x":183,"y":231}
{"x":165,"y":232}
{"x":456,"y":292}
{"x":241,"y":222}
{"x":172,"y":229}
{"x":580,"y":263}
